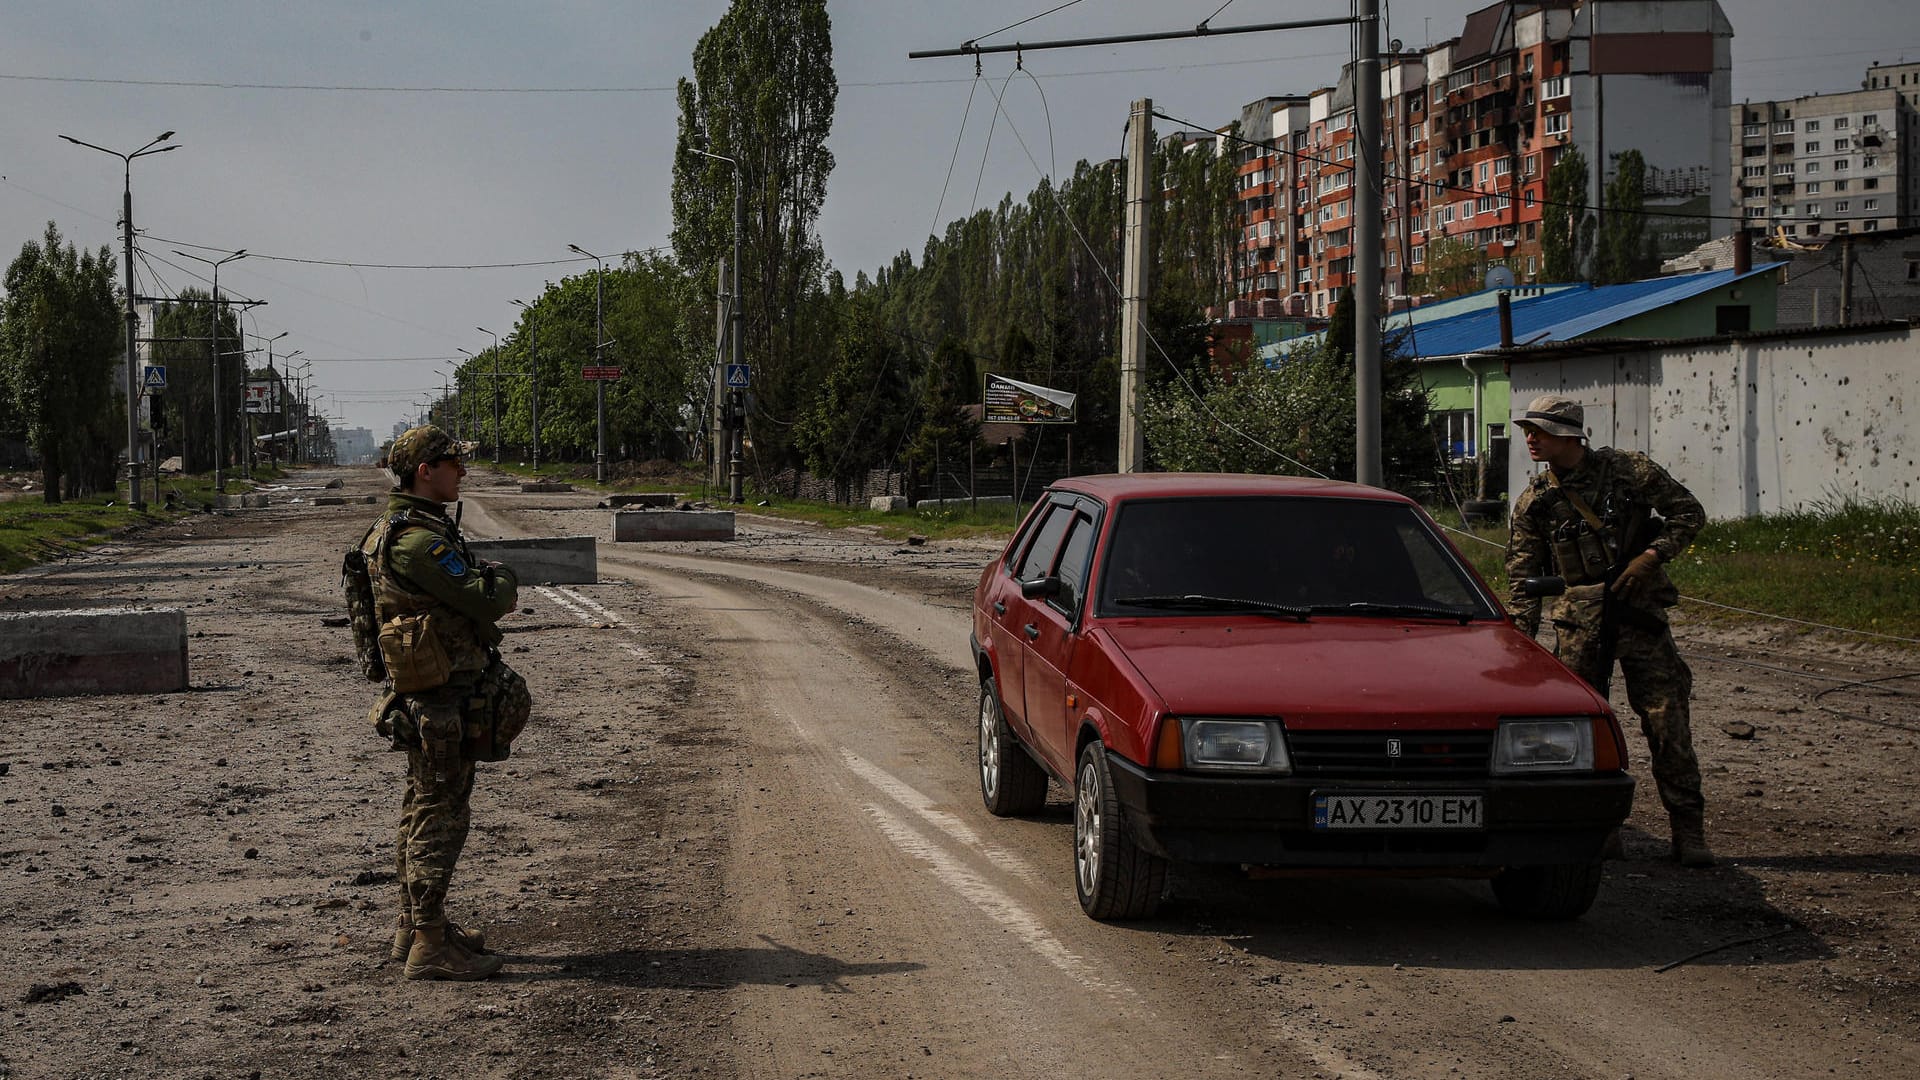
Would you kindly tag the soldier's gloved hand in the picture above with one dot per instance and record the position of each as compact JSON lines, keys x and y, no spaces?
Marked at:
{"x":1638,"y":573}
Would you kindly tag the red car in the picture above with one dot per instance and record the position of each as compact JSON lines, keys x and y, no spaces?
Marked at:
{"x":1275,"y":672}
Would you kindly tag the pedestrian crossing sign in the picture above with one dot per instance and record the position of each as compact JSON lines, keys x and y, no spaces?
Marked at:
{"x":738,"y":376}
{"x":156,"y":377}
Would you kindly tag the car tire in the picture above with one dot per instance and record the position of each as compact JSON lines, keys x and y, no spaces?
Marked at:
{"x":1548,"y":892}
{"x":1011,"y":783}
{"x":1114,"y":878}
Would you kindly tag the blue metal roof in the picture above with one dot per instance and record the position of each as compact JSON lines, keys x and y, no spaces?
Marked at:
{"x":1562,"y":313}
{"x":1567,"y":315}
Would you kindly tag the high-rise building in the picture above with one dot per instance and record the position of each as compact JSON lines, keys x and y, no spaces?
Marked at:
{"x":1470,"y":128}
{"x":1831,"y":164}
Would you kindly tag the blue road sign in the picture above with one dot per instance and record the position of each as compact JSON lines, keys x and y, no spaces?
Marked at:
{"x":738,"y":375}
{"x":156,"y":377}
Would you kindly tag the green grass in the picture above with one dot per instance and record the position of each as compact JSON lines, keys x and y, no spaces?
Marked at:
{"x":952,"y":523}
{"x":1843,"y":563}
{"x":33,"y":531}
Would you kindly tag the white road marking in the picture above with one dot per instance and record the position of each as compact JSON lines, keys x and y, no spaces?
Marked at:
{"x":609,"y":615}
{"x":578,"y":606}
{"x":946,"y":822}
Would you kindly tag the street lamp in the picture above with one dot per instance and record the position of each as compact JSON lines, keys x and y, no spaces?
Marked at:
{"x":496,"y":391}
{"x":599,"y":384}
{"x":449,"y":383}
{"x":246,"y":413}
{"x":133,"y":318}
{"x":736,"y":404}
{"x":219,"y":440}
{"x":299,"y":425}
{"x":533,"y":365}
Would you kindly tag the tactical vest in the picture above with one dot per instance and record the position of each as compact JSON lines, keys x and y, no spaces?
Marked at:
{"x":1582,"y":554}
{"x":411,"y":619}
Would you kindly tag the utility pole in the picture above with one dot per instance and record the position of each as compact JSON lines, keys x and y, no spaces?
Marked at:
{"x":496,"y":391}
{"x":134,"y":498}
{"x":736,"y":399}
{"x":219,"y":435}
{"x":718,"y":426}
{"x":1133,"y":286}
{"x":599,"y":385}
{"x":533,"y":365}
{"x":1846,"y":281}
{"x":1366,"y":247}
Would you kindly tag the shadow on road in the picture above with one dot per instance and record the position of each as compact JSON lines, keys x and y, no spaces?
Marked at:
{"x":699,"y":969}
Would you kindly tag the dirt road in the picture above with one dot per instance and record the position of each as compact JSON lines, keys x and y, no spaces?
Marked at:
{"x":744,"y":838}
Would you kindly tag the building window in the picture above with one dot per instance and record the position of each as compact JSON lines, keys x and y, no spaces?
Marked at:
{"x":1867,"y":161}
{"x":1839,"y":185}
{"x":1813,"y":188}
{"x":1419,"y":253}
{"x":1870,"y":183}
{"x":1812,"y":147}
{"x":1502,"y":167}
{"x":1810,"y":230}
{"x":1813,"y":125}
{"x":1756,"y":211}
{"x":1871,"y":226}
{"x":1840,"y":164}
{"x":1785,"y":168}
{"x":1533,"y":164}
{"x":1870,"y":119}
{"x":1754,"y":131}
{"x":1840,"y":207}
{"x":1556,"y":124}
{"x":1526,"y":63}
{"x":1555,"y":87}
{"x":1839,"y":123}
{"x":1841,"y":145}
{"x":1813,"y":167}
{"x":1753,"y":170}
{"x":1871,"y":204}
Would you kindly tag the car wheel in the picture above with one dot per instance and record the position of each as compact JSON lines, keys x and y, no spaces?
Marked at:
{"x":1011,"y":783}
{"x":1114,"y":878}
{"x":1548,"y":892}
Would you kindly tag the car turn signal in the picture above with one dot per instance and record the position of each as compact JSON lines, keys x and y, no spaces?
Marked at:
{"x":1166,"y":749}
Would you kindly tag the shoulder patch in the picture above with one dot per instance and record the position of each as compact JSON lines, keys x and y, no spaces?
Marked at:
{"x":450,"y":561}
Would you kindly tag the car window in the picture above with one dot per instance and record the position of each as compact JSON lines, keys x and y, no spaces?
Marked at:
{"x":1072,"y":570}
{"x":1038,"y":559}
{"x":1276,"y":550}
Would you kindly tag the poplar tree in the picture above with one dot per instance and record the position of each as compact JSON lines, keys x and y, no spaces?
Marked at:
{"x":1566,"y":226}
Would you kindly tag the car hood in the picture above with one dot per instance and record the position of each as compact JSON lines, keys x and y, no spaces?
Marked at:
{"x":1343,"y":671}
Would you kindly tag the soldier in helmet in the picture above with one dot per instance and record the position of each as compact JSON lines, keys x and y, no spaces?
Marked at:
{"x":1606,"y":520}
{"x":437,"y":607}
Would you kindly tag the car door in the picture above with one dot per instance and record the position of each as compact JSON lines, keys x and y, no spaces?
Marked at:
{"x":1052,"y":635}
{"x":1010,"y":613}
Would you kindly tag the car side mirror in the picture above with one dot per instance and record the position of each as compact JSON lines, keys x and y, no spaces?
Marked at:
{"x":1041,"y":588}
{"x":1536,"y":587}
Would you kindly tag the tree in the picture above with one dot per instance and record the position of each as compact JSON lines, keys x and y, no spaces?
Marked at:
{"x":60,"y":333}
{"x":762,"y":93}
{"x":182,"y":333}
{"x":946,"y":428}
{"x":1566,"y":225}
{"x":1454,"y":267}
{"x":861,"y":412}
{"x":1627,"y":249}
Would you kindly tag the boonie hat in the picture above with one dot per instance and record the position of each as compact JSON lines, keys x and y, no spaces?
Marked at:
{"x":1553,"y":414}
{"x":417,"y":446}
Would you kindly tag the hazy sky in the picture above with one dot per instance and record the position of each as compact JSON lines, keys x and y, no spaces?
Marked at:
{"x":489,"y":132}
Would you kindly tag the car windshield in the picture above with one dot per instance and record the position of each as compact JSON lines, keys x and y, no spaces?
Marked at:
{"x":1289,"y":555}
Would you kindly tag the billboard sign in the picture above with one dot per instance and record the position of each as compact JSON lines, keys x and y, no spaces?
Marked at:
{"x":259,"y":395}
{"x":1010,"y":401}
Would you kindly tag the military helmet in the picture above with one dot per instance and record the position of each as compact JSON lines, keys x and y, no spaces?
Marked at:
{"x":417,"y":446}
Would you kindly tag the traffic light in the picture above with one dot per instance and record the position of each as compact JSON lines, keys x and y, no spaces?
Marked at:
{"x":157,"y":408}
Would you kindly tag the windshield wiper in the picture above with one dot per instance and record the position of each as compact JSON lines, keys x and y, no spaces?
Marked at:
{"x":1375,"y":607}
{"x":1200,"y":602}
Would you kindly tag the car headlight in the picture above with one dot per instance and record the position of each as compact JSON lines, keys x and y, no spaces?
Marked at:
{"x":1537,"y":746}
{"x":1235,"y":745}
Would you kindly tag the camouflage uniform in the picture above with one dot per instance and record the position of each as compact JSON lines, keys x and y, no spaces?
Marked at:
{"x":1616,"y":484}
{"x":427,"y":568}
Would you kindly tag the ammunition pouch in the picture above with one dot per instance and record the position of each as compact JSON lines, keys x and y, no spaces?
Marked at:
{"x":392,"y":722}
{"x":413,"y":653}
{"x":496,"y":712}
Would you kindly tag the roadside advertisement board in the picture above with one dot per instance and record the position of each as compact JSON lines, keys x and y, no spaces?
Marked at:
{"x":259,"y":396}
{"x":1010,"y":401}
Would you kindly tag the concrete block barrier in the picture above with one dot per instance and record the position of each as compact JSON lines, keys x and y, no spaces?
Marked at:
{"x":643,"y":499}
{"x":541,"y":487}
{"x":95,"y":651}
{"x":888,"y":504}
{"x":242,"y":502}
{"x":552,"y":560}
{"x":343,"y":500}
{"x":650,"y":525}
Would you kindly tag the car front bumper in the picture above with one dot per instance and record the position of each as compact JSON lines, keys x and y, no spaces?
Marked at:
{"x":1268,"y":821}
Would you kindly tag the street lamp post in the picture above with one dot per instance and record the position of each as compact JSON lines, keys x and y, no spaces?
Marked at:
{"x":599,"y":385}
{"x":246,"y":414}
{"x":449,"y":386}
{"x":280,"y":399}
{"x":533,"y":367}
{"x":219,"y":437}
{"x":736,"y":399}
{"x":496,"y":391}
{"x":299,"y":425}
{"x":134,"y":498}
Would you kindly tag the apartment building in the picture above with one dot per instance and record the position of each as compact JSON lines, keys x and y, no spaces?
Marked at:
{"x":1471,"y":126}
{"x":1832,"y":164}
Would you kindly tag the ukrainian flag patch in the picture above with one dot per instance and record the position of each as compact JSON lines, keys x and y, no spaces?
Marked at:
{"x":450,"y":561}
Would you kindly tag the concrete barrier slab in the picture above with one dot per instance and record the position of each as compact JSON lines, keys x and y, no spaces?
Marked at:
{"x":650,"y":525}
{"x":544,"y":486}
{"x":95,"y":651}
{"x":242,"y":502}
{"x":545,"y":560}
{"x":643,"y":498}
{"x":888,"y":504}
{"x":343,"y":500}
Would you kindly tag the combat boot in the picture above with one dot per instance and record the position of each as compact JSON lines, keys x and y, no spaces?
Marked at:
{"x":474,"y":941}
{"x":436,"y":955}
{"x":1690,"y":840}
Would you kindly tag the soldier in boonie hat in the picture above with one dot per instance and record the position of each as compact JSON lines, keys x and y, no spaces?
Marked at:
{"x":1554,"y":414}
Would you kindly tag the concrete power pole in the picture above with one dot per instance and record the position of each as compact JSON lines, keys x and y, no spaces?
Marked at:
{"x":1366,"y":248}
{"x":1133,"y":284}
{"x":717,"y":421}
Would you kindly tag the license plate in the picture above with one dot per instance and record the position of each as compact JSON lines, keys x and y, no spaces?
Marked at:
{"x":1362,"y":811}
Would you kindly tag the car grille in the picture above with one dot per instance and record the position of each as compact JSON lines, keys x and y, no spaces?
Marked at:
{"x":1363,"y":754}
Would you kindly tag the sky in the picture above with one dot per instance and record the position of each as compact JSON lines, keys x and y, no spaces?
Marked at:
{"x":482,"y":137}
